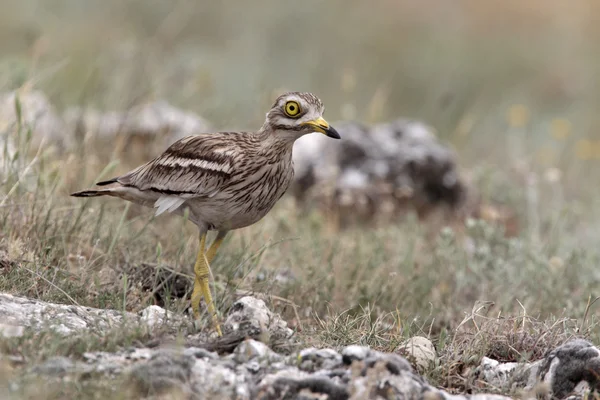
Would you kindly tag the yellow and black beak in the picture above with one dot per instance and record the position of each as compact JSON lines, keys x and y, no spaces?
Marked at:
{"x":320,"y":125}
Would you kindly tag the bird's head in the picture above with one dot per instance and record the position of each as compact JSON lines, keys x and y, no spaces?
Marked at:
{"x":295,"y":114}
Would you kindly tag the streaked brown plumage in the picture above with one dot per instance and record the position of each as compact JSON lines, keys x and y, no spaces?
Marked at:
{"x":227,"y":180}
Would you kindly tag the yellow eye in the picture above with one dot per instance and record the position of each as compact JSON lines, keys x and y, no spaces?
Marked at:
{"x":292,"y":108}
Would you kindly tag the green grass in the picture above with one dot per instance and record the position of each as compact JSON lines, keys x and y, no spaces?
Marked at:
{"x":473,"y":290}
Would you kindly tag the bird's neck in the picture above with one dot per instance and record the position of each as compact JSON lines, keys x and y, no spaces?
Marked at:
{"x":274,"y":146}
{"x":274,"y":138}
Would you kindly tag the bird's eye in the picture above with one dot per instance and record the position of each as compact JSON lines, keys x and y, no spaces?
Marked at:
{"x":292,"y":109}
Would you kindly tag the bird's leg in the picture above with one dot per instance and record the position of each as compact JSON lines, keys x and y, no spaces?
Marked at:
{"x":201,"y":287}
{"x":212,"y":250}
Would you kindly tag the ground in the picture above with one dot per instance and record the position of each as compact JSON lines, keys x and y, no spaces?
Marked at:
{"x":522,"y":123}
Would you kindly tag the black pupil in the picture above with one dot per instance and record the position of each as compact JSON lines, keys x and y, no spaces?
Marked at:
{"x":292,"y":108}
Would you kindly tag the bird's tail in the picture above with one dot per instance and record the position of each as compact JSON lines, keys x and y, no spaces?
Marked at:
{"x":96,"y":193}
{"x":91,"y":193}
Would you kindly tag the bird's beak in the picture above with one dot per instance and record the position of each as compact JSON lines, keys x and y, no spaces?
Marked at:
{"x":320,"y":125}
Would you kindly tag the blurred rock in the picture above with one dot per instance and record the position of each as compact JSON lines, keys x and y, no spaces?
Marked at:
{"x":420,"y":351}
{"x":251,"y":349}
{"x":572,"y":369}
{"x":253,"y":370}
{"x":55,"y":366}
{"x":22,"y":313}
{"x":251,"y":315}
{"x":143,"y":132}
{"x":166,"y":372}
{"x":313,"y":359}
{"x":155,"y":316}
{"x":379,"y":171}
{"x":9,"y":330}
{"x":63,"y":319}
{"x":37,"y":114}
{"x":363,"y":374}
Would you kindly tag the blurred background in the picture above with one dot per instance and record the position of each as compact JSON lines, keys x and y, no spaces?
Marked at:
{"x":460,"y":66}
{"x":512,"y":87}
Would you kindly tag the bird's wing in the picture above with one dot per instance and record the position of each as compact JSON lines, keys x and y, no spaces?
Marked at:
{"x":195,"y":166}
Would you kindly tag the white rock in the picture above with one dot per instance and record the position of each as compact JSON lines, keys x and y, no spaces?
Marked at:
{"x":355,"y":352}
{"x":420,"y":351}
{"x":154,"y":316}
{"x":7,"y":330}
{"x":37,"y":113}
{"x":250,"y":349}
{"x":252,"y":314}
{"x":212,"y":381}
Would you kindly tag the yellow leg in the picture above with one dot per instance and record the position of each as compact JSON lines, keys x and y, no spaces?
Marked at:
{"x":212,"y":250}
{"x":201,"y":288}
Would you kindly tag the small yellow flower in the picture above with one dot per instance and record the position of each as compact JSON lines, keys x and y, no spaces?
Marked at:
{"x":518,"y":116}
{"x":584,"y":149}
{"x":596,"y":149}
{"x":560,"y":128}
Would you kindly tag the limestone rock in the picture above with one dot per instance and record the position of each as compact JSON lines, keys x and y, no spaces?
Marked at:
{"x":37,"y":114}
{"x":573,"y":368}
{"x":18,"y":313}
{"x":420,"y":351}
{"x":251,"y":349}
{"x":377,"y":171}
{"x":252,"y":369}
{"x":63,"y":319}
{"x":312,"y":359}
{"x":251,"y":315}
{"x":9,"y":330}
{"x":145,"y":129}
{"x":155,"y":316}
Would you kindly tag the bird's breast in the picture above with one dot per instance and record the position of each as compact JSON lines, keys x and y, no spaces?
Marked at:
{"x":249,"y":198}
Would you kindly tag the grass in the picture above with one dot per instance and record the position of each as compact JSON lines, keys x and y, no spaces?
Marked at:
{"x":473,"y":290}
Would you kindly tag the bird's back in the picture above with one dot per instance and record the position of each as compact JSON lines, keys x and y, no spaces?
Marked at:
{"x":228,"y":180}
{"x":260,"y":177}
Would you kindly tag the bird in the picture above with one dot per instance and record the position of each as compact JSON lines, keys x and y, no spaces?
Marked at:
{"x":222,"y":181}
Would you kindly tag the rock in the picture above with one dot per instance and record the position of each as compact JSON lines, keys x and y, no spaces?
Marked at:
{"x":55,"y":366}
{"x":573,"y":368}
{"x":210,"y":381}
{"x":307,"y":388}
{"x":38,"y":114}
{"x":368,"y":374}
{"x":63,"y":319}
{"x":252,"y":317}
{"x":200,"y":353}
{"x":145,"y":129}
{"x":420,"y":351}
{"x":393,"y":362}
{"x":507,"y":374}
{"x":312,"y":359}
{"x":116,"y":363}
{"x":252,"y":349}
{"x":165,"y":372}
{"x":174,"y":372}
{"x":378,"y":171}
{"x":253,"y":370}
{"x":355,"y":353}
{"x":8,"y":330}
{"x":69,"y":319}
{"x":155,"y":316}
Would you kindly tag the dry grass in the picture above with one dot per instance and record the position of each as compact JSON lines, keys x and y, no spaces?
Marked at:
{"x":523,"y":123}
